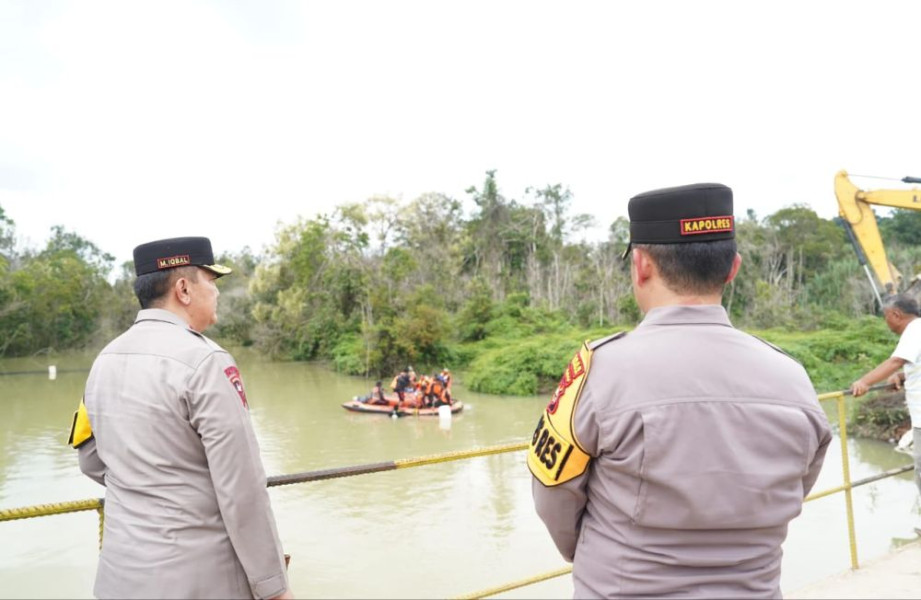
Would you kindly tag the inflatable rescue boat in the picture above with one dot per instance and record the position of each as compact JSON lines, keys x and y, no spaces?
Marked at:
{"x":409,"y":408}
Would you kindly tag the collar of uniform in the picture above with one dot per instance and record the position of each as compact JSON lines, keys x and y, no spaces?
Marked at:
{"x":160,"y":314}
{"x":698,"y":314}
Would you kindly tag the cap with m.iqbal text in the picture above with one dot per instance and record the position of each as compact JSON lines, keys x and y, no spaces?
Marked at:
{"x":701,"y":212}
{"x":176,"y":252}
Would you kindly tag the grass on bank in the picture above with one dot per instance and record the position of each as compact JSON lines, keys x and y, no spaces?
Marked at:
{"x":524,"y":362}
{"x":527,"y":363}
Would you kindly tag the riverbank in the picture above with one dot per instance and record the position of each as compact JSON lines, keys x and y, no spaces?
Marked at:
{"x":882,"y":416}
{"x":526,"y":356}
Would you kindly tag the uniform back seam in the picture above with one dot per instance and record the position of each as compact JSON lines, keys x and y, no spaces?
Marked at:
{"x":726,"y":400}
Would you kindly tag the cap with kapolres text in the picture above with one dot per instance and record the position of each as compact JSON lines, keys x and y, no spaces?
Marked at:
{"x":700,"y":212}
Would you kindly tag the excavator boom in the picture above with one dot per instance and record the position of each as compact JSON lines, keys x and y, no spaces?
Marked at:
{"x":855,"y":207}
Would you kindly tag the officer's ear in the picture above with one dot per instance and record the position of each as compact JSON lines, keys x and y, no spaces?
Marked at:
{"x":643,"y":266}
{"x":180,"y":290}
{"x":736,"y":263}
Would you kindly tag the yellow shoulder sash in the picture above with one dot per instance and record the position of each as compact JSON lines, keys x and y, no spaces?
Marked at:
{"x":80,"y":431}
{"x":555,"y":455}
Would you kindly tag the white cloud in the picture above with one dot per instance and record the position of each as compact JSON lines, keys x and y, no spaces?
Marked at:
{"x":126,"y":122}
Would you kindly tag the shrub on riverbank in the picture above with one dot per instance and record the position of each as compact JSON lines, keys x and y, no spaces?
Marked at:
{"x":524,"y":351}
{"x":840,"y":352}
{"x":525,"y":367}
{"x":521,"y":361}
{"x":882,"y":416}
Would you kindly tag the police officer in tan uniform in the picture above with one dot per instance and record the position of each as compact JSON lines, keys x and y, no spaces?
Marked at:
{"x":671,"y":459}
{"x":165,"y":426}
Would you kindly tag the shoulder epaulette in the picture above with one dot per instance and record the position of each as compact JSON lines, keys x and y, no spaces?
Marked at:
{"x":775,"y":347}
{"x":599,"y":343}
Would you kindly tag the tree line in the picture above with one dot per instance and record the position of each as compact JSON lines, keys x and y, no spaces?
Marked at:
{"x":376,"y":285}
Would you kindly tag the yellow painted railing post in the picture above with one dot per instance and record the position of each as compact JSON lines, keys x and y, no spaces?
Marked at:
{"x":846,"y":471}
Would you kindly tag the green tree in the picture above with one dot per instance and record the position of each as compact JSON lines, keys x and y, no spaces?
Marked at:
{"x":476,"y":313}
{"x":806,"y":240}
{"x":7,"y":238}
{"x":285,"y":285}
{"x":901,"y":227}
{"x":57,"y":296}
{"x":484,"y":252}
{"x":430,"y":228}
{"x":234,"y":324}
{"x":121,"y":305}
{"x":9,"y":304}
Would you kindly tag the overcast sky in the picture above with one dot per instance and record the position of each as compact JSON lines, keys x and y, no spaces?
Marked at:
{"x":128,"y":121}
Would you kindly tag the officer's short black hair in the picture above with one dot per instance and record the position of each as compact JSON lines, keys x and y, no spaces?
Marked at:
{"x":151,"y":288}
{"x":695,"y":268}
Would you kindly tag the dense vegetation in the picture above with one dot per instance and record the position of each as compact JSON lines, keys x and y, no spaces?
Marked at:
{"x":504,"y":291}
{"x":882,"y":416}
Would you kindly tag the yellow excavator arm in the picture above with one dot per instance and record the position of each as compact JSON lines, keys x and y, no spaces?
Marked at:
{"x":855,"y":208}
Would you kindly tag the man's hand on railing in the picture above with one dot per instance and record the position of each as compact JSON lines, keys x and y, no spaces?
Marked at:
{"x":859,"y":388}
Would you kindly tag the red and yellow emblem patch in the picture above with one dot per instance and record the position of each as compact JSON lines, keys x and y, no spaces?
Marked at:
{"x":234,"y":375}
{"x":706,"y":225}
{"x":573,"y":371}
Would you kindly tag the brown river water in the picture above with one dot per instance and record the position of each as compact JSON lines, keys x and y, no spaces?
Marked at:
{"x":442,"y":530}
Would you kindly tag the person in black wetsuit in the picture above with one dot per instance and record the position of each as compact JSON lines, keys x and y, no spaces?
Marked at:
{"x":402,"y":382}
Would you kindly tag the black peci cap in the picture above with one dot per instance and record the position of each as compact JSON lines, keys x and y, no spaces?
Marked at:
{"x":701,"y":212}
{"x":176,"y":252}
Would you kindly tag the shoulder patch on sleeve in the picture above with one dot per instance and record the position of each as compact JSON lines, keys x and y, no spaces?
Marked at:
{"x":80,"y":430}
{"x":555,"y":455}
{"x":233,"y":374}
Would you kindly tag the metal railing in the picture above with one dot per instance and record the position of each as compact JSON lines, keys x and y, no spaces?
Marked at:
{"x":97,"y":504}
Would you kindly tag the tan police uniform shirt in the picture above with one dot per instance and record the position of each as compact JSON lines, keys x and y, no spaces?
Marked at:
{"x":703,"y":443}
{"x":187,"y":512}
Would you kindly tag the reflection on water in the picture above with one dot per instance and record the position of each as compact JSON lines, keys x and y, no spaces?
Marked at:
{"x":434,"y":531}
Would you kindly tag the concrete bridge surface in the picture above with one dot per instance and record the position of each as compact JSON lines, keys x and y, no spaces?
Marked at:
{"x":896,"y":575}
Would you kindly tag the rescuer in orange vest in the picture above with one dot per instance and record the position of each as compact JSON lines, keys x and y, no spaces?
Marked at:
{"x":435,"y":395}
